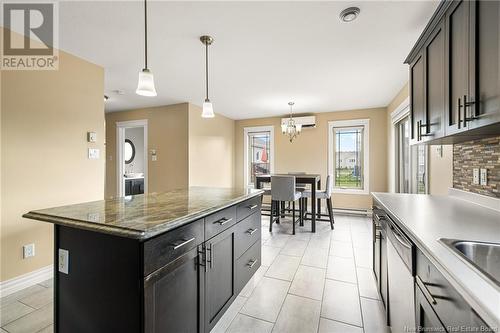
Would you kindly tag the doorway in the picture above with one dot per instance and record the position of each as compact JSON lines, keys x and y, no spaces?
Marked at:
{"x":132,"y":157}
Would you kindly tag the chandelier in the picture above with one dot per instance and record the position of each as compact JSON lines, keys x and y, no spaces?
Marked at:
{"x":288,"y":127}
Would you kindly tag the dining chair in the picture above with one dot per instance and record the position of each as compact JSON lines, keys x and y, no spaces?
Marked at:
{"x":326,"y":195}
{"x":283,"y":189}
{"x":300,"y":188}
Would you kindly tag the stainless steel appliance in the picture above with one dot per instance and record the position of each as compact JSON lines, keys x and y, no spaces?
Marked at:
{"x":400,"y":265}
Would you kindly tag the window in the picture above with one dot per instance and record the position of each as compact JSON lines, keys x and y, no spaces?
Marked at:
{"x":259,"y":150}
{"x":411,"y":161}
{"x":348,"y":155}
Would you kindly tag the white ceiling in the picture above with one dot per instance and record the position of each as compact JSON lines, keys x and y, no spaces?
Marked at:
{"x":264,"y":55}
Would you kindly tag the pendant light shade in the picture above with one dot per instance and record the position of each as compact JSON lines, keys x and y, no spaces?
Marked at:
{"x":146,"y":84}
{"x":208,"y":109}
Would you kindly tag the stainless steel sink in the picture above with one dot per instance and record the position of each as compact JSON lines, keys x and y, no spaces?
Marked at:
{"x":484,"y":257}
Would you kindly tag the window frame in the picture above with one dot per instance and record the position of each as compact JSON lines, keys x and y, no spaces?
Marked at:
{"x":256,"y":129}
{"x":365,"y":123}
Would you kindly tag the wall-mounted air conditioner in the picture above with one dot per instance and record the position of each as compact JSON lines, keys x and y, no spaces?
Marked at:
{"x":306,"y":122}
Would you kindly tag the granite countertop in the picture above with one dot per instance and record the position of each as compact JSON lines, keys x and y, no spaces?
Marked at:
{"x":426,"y":218}
{"x":146,"y":215}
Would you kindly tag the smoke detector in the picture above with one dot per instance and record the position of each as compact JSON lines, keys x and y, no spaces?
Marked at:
{"x":349,"y":14}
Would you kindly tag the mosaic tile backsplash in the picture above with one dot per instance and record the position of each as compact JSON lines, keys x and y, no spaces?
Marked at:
{"x":484,"y":153}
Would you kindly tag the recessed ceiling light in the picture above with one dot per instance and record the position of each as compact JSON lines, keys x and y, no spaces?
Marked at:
{"x":349,"y":14}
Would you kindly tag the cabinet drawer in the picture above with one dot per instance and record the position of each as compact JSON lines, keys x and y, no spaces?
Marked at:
{"x":166,"y":247}
{"x":449,"y":306}
{"x":247,"y":232}
{"x":220,"y":221}
{"x":247,"y":265}
{"x":248,"y":207}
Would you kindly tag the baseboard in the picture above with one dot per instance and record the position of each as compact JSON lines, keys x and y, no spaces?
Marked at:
{"x":26,"y":280}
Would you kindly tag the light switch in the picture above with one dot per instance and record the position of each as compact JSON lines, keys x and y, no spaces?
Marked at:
{"x":63,"y":261}
{"x":91,"y":136}
{"x":93,"y":153}
{"x":484,"y":177}
{"x":475,"y":176}
{"x":28,"y":250}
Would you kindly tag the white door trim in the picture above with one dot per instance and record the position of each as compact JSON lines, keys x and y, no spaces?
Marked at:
{"x":247,"y":130}
{"x":120,"y":165}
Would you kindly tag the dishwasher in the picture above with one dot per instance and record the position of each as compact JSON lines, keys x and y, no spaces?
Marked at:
{"x":401,"y":272}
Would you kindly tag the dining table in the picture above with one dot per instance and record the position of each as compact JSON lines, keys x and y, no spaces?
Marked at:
{"x":314,"y":180}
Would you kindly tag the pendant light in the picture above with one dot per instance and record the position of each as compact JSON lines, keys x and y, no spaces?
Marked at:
{"x":146,"y":85}
{"x":208,"y":110}
{"x":289,"y":127}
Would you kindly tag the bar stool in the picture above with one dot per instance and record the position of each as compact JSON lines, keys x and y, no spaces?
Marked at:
{"x":327,"y":195}
{"x":283,"y":190}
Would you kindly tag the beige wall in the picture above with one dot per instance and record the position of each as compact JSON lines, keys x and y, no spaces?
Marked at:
{"x":45,"y":116}
{"x":167,"y":133}
{"x":309,"y":151}
{"x":211,"y":150}
{"x":440,"y":166}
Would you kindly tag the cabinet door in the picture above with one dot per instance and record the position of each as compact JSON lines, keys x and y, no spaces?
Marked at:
{"x":417,"y":97}
{"x":457,"y":65}
{"x":173,"y":296}
{"x":426,"y":318}
{"x":220,"y":276}
{"x":434,"y":85}
{"x":486,"y":42}
{"x":128,"y":187}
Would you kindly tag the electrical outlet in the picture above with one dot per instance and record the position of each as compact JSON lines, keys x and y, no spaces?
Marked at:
{"x":475,"y":176}
{"x":484,"y":177}
{"x":63,"y":261}
{"x":28,"y":250}
{"x":91,"y":137}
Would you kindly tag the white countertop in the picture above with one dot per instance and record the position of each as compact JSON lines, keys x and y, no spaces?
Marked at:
{"x":426,"y":218}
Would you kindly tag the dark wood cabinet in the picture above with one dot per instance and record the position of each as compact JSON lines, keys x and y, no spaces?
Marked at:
{"x":434,"y":90}
{"x":220,"y":276}
{"x":417,"y":102}
{"x":134,"y":186}
{"x":174,"y":296}
{"x":177,"y":281}
{"x":455,"y":74}
{"x":486,"y":42}
{"x":425,"y":317}
{"x":458,"y":25}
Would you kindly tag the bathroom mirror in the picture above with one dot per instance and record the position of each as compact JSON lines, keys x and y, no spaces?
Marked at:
{"x":129,"y":151}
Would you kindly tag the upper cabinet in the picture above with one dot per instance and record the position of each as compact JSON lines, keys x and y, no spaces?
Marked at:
{"x":455,"y":74}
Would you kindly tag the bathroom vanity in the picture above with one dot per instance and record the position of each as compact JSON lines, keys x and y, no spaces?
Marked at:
{"x":168,"y":262}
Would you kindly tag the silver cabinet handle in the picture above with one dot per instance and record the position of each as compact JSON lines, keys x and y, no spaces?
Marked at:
{"x":251,"y":263}
{"x":223,"y":221}
{"x":211,"y":261}
{"x":184,"y":243}
{"x":251,"y":231}
{"x":425,"y":291}
{"x":253,"y":207}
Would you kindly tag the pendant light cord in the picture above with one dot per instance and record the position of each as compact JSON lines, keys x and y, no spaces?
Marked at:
{"x":206,"y":67}
{"x":145,"y":34}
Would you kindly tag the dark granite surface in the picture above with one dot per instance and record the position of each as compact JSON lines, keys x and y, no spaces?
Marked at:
{"x":146,"y":215}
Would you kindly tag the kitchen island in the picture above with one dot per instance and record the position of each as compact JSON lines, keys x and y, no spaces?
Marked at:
{"x":166,"y":262}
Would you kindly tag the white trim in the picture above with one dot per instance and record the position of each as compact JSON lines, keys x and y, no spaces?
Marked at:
{"x":401,"y":111}
{"x":120,"y":167}
{"x":247,"y":130}
{"x":366,"y":153}
{"x":26,"y":280}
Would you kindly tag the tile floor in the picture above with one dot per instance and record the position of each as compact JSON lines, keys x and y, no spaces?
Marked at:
{"x":319,"y":282}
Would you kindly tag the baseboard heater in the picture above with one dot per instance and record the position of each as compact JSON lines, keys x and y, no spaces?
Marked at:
{"x":352,"y":211}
